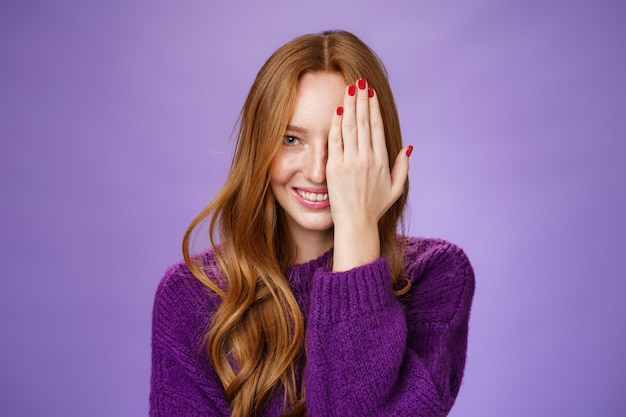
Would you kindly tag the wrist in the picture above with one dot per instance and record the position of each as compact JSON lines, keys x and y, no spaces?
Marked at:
{"x":355,"y":246}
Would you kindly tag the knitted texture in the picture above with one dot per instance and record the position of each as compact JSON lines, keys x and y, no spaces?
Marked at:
{"x":369,"y":353}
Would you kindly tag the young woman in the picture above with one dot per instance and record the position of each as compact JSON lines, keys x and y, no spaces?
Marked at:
{"x":309,"y":301}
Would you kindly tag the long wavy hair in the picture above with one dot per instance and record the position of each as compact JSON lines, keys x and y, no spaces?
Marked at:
{"x":255,"y":340}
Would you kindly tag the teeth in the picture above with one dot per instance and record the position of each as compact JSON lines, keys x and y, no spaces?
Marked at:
{"x":313,"y":196}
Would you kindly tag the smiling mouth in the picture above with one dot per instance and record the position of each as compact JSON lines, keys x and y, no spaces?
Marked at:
{"x":313,"y":197}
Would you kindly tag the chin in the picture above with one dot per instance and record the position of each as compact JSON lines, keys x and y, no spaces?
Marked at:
{"x":312,"y":225}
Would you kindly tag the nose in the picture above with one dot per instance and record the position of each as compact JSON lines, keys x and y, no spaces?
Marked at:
{"x":315,"y":169}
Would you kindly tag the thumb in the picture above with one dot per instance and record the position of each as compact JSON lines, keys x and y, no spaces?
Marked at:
{"x":400,"y":171}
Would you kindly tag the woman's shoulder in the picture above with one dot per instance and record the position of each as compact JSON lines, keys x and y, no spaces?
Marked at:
{"x":180,"y":294}
{"x":423,"y":252}
{"x":441,"y":275}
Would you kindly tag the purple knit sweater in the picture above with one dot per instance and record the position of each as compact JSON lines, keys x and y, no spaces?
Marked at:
{"x":369,"y":353}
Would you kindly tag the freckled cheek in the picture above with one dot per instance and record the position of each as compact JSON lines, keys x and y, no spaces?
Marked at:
{"x":284,"y":169}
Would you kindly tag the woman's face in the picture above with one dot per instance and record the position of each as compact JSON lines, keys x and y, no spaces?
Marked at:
{"x":298,"y":178}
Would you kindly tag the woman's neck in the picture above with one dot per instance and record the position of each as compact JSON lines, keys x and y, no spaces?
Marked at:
{"x":311,"y":245}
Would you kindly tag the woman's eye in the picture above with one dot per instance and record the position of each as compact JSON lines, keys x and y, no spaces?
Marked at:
{"x":290,"y":140}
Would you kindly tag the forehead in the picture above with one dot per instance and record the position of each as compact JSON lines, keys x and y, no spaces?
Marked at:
{"x":318,"y":95}
{"x":318,"y":78}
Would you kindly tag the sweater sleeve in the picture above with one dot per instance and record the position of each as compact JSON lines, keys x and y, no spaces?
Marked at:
{"x":182,"y":381}
{"x":372,"y":354}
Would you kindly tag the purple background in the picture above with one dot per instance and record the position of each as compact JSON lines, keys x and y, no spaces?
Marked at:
{"x":114,"y":125}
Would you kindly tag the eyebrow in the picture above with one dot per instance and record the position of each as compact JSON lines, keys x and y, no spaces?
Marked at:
{"x":296,"y":129}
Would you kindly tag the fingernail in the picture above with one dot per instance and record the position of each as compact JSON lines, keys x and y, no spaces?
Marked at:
{"x":339,"y":111}
{"x":351,"y":90}
{"x":361,"y":83}
{"x":370,"y":92}
{"x":409,"y":150}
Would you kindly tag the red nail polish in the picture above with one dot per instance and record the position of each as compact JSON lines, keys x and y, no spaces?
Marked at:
{"x":351,"y":90}
{"x":361,"y":83}
{"x":409,"y":150}
{"x":370,"y":92}
{"x":339,"y":111}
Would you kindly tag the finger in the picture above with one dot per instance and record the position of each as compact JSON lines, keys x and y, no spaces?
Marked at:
{"x":400,"y":172}
{"x":377,"y":128}
{"x":348,"y":121}
{"x":363,"y":117}
{"x":335,"y":141}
